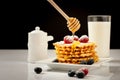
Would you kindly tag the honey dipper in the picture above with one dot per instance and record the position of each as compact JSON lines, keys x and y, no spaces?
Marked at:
{"x":72,"y":23}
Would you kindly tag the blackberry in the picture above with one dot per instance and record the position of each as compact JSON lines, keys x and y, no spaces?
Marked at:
{"x":80,"y":74}
{"x":38,"y":70}
{"x":56,"y":60}
{"x":71,"y":73}
{"x":90,"y":61}
{"x":83,"y":62}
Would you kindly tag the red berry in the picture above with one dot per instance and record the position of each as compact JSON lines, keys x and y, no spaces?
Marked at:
{"x":68,"y":39}
{"x":84,"y":39}
{"x":76,"y":38}
{"x":85,"y":70}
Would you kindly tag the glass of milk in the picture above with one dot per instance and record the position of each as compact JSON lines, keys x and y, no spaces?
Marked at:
{"x":99,"y":28}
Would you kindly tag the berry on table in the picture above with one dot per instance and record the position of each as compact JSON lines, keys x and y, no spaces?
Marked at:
{"x":71,"y":73}
{"x":80,"y":74}
{"x":85,"y":70}
{"x":38,"y":70}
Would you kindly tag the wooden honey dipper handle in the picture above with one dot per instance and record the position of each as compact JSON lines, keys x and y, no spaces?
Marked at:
{"x":58,"y":9}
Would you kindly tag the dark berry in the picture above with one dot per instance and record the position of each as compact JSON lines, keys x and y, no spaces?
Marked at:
{"x":90,"y":61}
{"x":80,"y":74}
{"x":38,"y":70}
{"x":83,"y":62}
{"x":71,"y":73}
{"x":56,"y":60}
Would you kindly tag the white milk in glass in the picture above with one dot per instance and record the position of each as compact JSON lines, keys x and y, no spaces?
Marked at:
{"x":99,"y":32}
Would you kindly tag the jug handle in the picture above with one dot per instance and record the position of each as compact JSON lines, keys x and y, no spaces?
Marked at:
{"x":49,"y":38}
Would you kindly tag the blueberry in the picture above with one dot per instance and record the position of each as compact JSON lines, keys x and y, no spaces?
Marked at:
{"x":71,"y":73}
{"x":90,"y":61}
{"x":56,"y":60}
{"x":80,"y":74}
{"x":83,"y":62}
{"x":38,"y":70}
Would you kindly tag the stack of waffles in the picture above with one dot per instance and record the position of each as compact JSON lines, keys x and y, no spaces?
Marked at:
{"x":75,"y":52}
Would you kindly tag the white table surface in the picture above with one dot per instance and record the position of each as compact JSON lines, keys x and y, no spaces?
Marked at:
{"x":14,"y":66}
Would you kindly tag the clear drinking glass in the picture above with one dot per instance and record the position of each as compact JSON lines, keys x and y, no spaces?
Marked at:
{"x":99,"y":29}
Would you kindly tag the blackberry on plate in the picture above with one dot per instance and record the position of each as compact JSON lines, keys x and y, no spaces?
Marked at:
{"x":56,"y":60}
{"x":83,"y":62}
{"x":90,"y":61}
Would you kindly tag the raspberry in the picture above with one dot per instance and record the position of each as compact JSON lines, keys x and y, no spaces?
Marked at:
{"x":84,"y":39}
{"x":76,"y":38}
{"x":68,"y":39}
{"x":85,"y":70}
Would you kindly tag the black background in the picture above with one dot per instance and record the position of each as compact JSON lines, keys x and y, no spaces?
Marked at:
{"x":20,"y":17}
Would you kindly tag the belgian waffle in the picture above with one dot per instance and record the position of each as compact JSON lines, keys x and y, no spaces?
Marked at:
{"x":67,"y":53}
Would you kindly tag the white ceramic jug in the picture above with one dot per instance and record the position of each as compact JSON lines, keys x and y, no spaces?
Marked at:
{"x":38,"y":45}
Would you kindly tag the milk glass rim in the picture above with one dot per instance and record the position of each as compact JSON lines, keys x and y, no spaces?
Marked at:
{"x":99,"y":15}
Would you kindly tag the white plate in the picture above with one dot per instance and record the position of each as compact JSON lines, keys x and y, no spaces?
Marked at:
{"x":67,"y":66}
